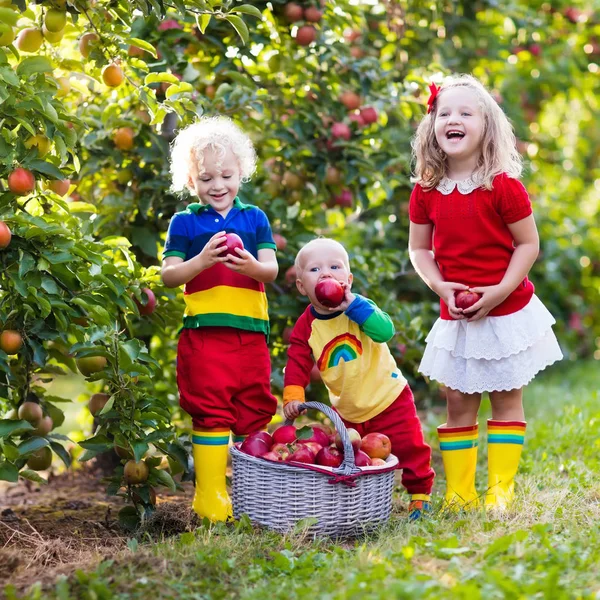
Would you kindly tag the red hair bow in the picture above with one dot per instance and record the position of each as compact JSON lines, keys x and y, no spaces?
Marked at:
{"x":434,"y":90}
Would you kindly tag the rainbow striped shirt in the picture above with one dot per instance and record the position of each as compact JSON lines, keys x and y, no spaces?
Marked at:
{"x":220,"y":296}
{"x":352,"y":356}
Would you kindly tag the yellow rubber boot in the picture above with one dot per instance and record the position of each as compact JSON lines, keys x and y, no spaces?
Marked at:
{"x":505,"y":444}
{"x":211,"y":449}
{"x":459,"y":454}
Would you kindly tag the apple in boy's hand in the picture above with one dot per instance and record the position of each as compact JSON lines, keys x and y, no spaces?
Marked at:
{"x":232,"y":241}
{"x":466,"y":299}
{"x":329,"y":292}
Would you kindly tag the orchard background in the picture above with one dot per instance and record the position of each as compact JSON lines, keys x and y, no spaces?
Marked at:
{"x":93,"y":91}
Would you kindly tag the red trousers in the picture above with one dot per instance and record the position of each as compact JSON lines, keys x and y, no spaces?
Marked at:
{"x":223,"y":376}
{"x":399,"y":421}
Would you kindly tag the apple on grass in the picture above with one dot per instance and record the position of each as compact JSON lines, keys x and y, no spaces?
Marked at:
{"x":466,"y":298}
{"x":330,"y":292}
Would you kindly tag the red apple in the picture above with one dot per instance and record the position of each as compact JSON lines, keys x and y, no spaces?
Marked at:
{"x":357,"y":118}
{"x":293,"y":12}
{"x":303,"y":454}
{"x":355,"y":439}
{"x":466,"y":299}
{"x":282,"y":450}
{"x":284,"y":435}
{"x":344,"y":199}
{"x":378,"y":462}
{"x":21,"y":181}
{"x":232,"y":241}
{"x":341,"y":130}
{"x":264,"y":436}
{"x":254,"y":446}
{"x":376,"y":445}
{"x":273,"y":456}
{"x":351,"y":100}
{"x":291,"y":275}
{"x":362,"y":459}
{"x":329,"y":457}
{"x":318,"y":436}
{"x":150,"y":306}
{"x":330,"y":292}
{"x":369,"y":114}
{"x":313,"y":14}
{"x":312,"y":446}
{"x":280,"y":241}
{"x":324,"y":428}
{"x":306,"y":35}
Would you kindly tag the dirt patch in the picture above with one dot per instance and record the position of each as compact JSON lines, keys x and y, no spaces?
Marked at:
{"x":70,"y":524}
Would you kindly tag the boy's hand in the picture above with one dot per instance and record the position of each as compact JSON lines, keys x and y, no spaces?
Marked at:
{"x":210,"y":253}
{"x":242,"y":262}
{"x":292,"y":409}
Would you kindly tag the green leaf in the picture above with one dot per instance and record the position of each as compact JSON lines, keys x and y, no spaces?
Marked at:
{"x":179,"y":88}
{"x":203,"y":21}
{"x":165,"y":479}
{"x":32,"y":476}
{"x":160,"y":78}
{"x":239,"y":25}
{"x":9,"y":16}
{"x":10,"y":427}
{"x":34,"y":64}
{"x":60,"y":450}
{"x":140,"y":448}
{"x":248,"y":9}
{"x":31,"y":445}
{"x":143,"y":45}
{"x":8,"y":472}
{"x":82,"y":207}
{"x":8,"y":76}
{"x":46,"y":168}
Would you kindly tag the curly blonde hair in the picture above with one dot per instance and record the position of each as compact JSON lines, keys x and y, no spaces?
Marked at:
{"x":215,"y":133}
{"x":498,"y":143}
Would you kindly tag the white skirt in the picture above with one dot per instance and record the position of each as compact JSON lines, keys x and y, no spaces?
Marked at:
{"x":494,"y":353}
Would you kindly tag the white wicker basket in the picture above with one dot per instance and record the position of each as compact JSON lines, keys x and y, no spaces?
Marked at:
{"x":345,"y":501}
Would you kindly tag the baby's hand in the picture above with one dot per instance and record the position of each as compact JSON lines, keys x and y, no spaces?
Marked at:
{"x":292,"y":409}
{"x":210,"y":254}
{"x":349,"y":298}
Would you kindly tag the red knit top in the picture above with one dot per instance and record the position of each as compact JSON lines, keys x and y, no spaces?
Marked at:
{"x":472,"y":243}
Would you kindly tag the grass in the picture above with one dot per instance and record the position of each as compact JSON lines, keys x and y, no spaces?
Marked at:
{"x":547,"y":547}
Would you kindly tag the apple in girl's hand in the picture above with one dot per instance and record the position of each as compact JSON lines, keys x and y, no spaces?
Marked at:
{"x":264,"y":436}
{"x":329,"y":457}
{"x":281,"y":449}
{"x":376,"y":445}
{"x":302,"y":454}
{"x":329,"y":292}
{"x":284,"y":435}
{"x":355,"y":439}
{"x":361,"y":459}
{"x":466,"y":299}
{"x":254,"y":446}
{"x":232,"y":241}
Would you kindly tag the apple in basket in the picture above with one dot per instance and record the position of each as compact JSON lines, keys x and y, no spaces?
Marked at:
{"x":355,"y":439}
{"x":264,"y":436}
{"x":313,"y":434}
{"x":284,"y":435}
{"x":329,"y":456}
{"x":302,"y":454}
{"x":377,"y":462}
{"x":281,"y":449}
{"x":376,"y":445}
{"x":312,"y":446}
{"x":273,"y":456}
{"x":325,"y":428}
{"x":254,"y":446}
{"x":362,"y":459}
{"x":466,"y":299}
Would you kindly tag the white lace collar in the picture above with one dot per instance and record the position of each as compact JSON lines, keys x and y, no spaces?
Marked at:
{"x":466,"y":186}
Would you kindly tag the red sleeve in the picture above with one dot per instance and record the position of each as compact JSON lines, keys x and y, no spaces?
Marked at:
{"x":513,"y":203}
{"x":300,"y":360}
{"x":417,"y":211}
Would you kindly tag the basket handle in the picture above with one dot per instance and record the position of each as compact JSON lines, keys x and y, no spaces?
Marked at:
{"x":348,"y":466}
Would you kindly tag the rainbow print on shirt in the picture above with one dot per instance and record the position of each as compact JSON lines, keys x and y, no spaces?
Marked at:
{"x":344,"y":347}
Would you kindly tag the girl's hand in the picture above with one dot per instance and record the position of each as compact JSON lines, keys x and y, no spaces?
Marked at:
{"x":210,"y":253}
{"x":446,"y":291}
{"x":292,"y":409}
{"x":242,"y":262}
{"x":491,"y":296}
